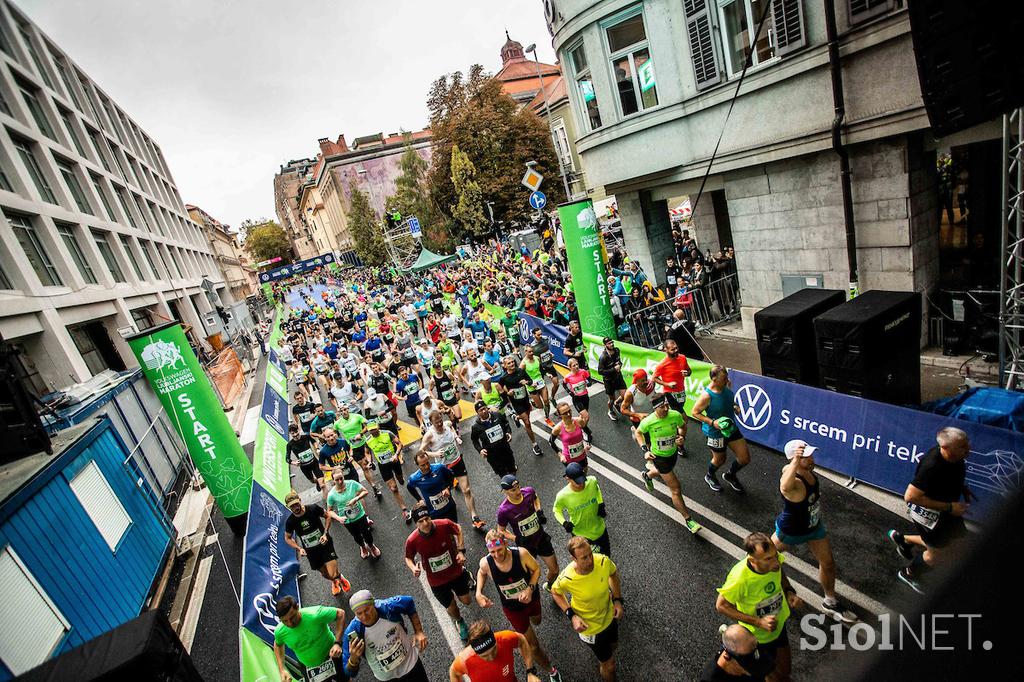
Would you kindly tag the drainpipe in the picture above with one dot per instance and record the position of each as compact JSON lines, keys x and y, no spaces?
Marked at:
{"x":836,"y":70}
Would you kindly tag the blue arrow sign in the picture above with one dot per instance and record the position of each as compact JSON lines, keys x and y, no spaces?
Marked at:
{"x":414,"y":227}
{"x":538,"y":200}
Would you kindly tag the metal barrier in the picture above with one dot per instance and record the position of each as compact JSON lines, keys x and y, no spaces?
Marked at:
{"x":647,"y":325}
{"x":715,"y":303}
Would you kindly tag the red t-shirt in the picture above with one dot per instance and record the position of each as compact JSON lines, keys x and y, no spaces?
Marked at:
{"x":577,"y":382}
{"x":673,"y":370}
{"x":437,"y":552}
{"x":501,"y":669}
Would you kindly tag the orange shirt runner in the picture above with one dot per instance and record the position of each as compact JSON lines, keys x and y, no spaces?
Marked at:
{"x":501,"y":669}
{"x":672,"y":371}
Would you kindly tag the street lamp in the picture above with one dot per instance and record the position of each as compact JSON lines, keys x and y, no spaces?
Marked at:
{"x":532,"y":47}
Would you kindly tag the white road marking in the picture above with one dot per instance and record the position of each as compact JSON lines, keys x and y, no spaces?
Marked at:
{"x":451,"y":634}
{"x":252,"y":420}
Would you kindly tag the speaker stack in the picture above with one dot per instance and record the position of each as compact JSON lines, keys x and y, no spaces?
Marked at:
{"x":785,"y":334}
{"x":870,"y":347}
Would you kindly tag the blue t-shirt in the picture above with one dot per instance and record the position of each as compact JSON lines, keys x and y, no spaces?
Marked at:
{"x":332,"y":350}
{"x":333,"y":455}
{"x":480,"y":330}
{"x":435,"y":489}
{"x":410,"y":388}
{"x":493,"y":358}
{"x":359,"y":336}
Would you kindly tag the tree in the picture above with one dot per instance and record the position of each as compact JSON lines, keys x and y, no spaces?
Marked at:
{"x":266,"y":240}
{"x":468,"y":209}
{"x":496,"y":134}
{"x":412,"y":197}
{"x":366,"y":230}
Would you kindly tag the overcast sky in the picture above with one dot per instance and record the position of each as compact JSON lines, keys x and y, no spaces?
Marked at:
{"x":231,"y":89}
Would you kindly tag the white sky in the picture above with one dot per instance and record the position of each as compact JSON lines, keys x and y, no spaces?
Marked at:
{"x":232,"y":89}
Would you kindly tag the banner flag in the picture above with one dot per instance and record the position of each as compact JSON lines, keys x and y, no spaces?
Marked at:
{"x":174,"y":372}
{"x":582,"y":235}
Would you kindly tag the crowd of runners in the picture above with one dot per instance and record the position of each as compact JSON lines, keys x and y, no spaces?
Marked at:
{"x":380,"y":369}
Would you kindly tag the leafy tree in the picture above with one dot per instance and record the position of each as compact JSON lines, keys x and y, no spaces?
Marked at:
{"x":412,"y":197}
{"x":496,"y":134}
{"x":266,"y":240}
{"x":469,"y":207}
{"x":366,"y":230}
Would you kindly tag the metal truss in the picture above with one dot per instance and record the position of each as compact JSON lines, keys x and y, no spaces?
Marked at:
{"x":401,"y":247}
{"x":1011,"y":282}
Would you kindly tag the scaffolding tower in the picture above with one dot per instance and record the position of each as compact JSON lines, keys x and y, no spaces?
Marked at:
{"x":402,"y":248}
{"x":1011,"y":281}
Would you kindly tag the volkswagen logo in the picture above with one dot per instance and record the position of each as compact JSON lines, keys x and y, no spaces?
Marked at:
{"x":524,"y":330}
{"x":755,"y":407}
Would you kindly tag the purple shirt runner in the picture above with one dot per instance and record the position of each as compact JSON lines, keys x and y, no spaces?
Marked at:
{"x":522,"y":520}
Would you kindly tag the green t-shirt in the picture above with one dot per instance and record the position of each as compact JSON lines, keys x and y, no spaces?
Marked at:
{"x":662,"y":431}
{"x":581,"y":508}
{"x":381,"y":446}
{"x":533,"y":369}
{"x":492,"y":397}
{"x":759,"y":595}
{"x":352,"y":429}
{"x":338,"y":501}
{"x":313,"y":638}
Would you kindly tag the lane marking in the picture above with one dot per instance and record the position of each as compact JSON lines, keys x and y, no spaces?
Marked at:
{"x":252,"y":420}
{"x":451,"y":634}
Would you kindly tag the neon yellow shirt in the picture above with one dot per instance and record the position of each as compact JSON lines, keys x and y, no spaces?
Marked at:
{"x":759,"y":595}
{"x":591,"y":594}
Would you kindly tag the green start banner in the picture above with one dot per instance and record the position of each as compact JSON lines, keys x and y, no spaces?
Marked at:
{"x":186,"y":394}
{"x":582,"y":236}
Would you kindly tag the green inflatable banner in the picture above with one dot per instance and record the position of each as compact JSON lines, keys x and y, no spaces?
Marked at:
{"x":186,"y":394}
{"x":582,"y":236}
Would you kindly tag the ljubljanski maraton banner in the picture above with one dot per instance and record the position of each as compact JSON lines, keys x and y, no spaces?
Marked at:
{"x":297,"y":268}
{"x":172,"y":369}
{"x":582,"y":236}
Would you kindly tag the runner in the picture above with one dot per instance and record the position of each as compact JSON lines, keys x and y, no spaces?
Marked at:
{"x":491,"y":435}
{"x":378,"y":406}
{"x":490,"y":657}
{"x":308,"y":531}
{"x":442,"y":552}
{"x":579,"y":507}
{"x":573,"y":347}
{"x":715,"y":408}
{"x":473,"y":371}
{"x":521,"y":511}
{"x":444,"y":387}
{"x":636,"y":401}
{"x":352,"y":426}
{"x":517,"y":576}
{"x":432,"y":485}
{"x":542,"y":349}
{"x":345,"y":503}
{"x":577,"y":383}
{"x":537,"y":388}
{"x":303,"y":411}
{"x":609,"y":366}
{"x":738,"y":658}
{"x":379,"y":636}
{"x":570,"y":431}
{"x":800,"y":522}
{"x":408,"y":386}
{"x":441,"y":442}
{"x":300,"y":453}
{"x":515,"y":384}
{"x":322,"y":418}
{"x":660,"y":435}
{"x":758,"y":595}
{"x":670,"y":374}
{"x":334,"y":453}
{"x":307,"y":632}
{"x":387,"y":450}
{"x":593,"y":584}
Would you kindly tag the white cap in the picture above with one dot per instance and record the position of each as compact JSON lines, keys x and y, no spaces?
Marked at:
{"x":371,"y":393}
{"x":792,"y":446}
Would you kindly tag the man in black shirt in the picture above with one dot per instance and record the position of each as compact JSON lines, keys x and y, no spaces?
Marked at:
{"x":933,"y":498}
{"x":738,"y":659}
{"x":672,"y":276}
{"x":300,"y":452}
{"x":306,"y":531}
{"x":491,"y":436}
{"x":303,"y":411}
{"x":609,"y":366}
{"x":573,"y":347}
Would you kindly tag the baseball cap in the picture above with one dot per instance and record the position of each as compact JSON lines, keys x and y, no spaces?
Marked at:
{"x":639,"y":375}
{"x":575,"y":473}
{"x":291,"y":498}
{"x":419,"y":512}
{"x":658,"y":399}
{"x":371,"y":393}
{"x":607,"y":339}
{"x":792,"y":445}
{"x":508,"y":481}
{"x":478,"y":404}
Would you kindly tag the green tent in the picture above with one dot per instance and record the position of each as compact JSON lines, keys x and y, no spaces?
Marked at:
{"x":428,"y":259}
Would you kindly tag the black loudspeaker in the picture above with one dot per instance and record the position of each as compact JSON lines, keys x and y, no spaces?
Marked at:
{"x":785,"y":334}
{"x":23,"y":431}
{"x":870,"y":347}
{"x":969,"y":60}
{"x":146,"y":648}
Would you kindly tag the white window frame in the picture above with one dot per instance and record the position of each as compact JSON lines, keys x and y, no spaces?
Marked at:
{"x":769,"y":28}
{"x":19,"y":667}
{"x":577,"y":76}
{"x":562,"y":141}
{"x":628,"y":51}
{"x":113,"y":504}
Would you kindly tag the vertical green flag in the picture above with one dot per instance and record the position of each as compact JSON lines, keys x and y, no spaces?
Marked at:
{"x":193,"y":408}
{"x":581,"y":233}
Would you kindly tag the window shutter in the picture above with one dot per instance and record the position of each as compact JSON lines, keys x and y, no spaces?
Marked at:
{"x":862,"y":10}
{"x":101,"y":504}
{"x":788,"y":18}
{"x":702,"y":43}
{"x":31,"y":627}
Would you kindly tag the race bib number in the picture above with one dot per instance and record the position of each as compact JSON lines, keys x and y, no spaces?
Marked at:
{"x":666,"y":443}
{"x":305,"y":456}
{"x":716,"y":443}
{"x":352,"y":513}
{"x":519,"y":392}
{"x":440,"y":500}
{"x":546,"y":357}
{"x":513,"y":590}
{"x":494,"y":434}
{"x":769,"y":606}
{"x":440,"y":562}
{"x":671,"y":279}
{"x":392,"y":657}
{"x":450,"y":455}
{"x":412,"y":389}
{"x":589,"y":639}
{"x":479,"y":336}
{"x":408,"y":353}
{"x":321,"y":673}
{"x":385,"y":456}
{"x":579,"y":388}
{"x":311,"y":539}
{"x":576,"y":449}
{"x":538,"y":383}
{"x":923,"y":516}
{"x":814,"y":512}
{"x":448,"y":394}
{"x":529,"y":525}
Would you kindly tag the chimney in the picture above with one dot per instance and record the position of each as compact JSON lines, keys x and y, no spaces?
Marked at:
{"x":341,"y":144}
{"x":326,"y":146}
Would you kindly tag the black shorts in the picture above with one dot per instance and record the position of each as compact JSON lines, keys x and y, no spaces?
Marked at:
{"x":458,"y":468}
{"x":359,"y":452}
{"x":411,"y":411}
{"x":446,"y":593}
{"x":320,"y":555}
{"x":718,"y":444}
{"x":311,"y":471}
{"x":772,"y":648}
{"x":521,"y":406}
{"x":409,"y":362}
{"x":665,"y":465}
{"x":947,"y":530}
{"x":502,"y":462}
{"x":453,"y":401}
{"x":605,"y":642}
{"x":450,"y":512}
{"x":581,"y":402}
{"x":391,"y":470}
{"x":541,"y":546}
{"x":602,"y":545}
{"x":613,"y":382}
{"x":550,"y":371}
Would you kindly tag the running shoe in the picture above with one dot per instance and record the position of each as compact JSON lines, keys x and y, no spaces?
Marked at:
{"x":734,"y":482}
{"x":648,"y":483}
{"x":536,"y":451}
{"x":554,"y":675}
{"x":463,"y":630}
{"x":712,"y":482}
{"x":902,"y":547}
{"x":335,"y":588}
{"x":479,"y":524}
{"x":692,"y":526}
{"x":612,"y":416}
{"x":551,"y":424}
{"x":344,"y":583}
{"x":363,"y":552}
{"x":836,"y":609}
{"x":377,"y":493}
{"x":909,"y":580}
{"x":546,"y":586}
{"x":408,"y":516}
{"x":375,"y":551}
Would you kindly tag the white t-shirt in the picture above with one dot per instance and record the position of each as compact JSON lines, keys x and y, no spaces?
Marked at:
{"x":409,"y":311}
{"x":389,"y":650}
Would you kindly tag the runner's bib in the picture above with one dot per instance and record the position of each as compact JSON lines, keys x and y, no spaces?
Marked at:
{"x":352,"y":513}
{"x":576,"y":449}
{"x":311,"y":539}
{"x":519,"y":392}
{"x":589,"y":639}
{"x":513,"y":590}
{"x":450,"y":455}
{"x":305,"y":456}
{"x":440,"y":562}
{"x":448,"y":394}
{"x":538,"y":383}
{"x":321,"y":673}
{"x":392,"y":657}
{"x":529,"y":525}
{"x":666,"y":443}
{"x":440,"y":500}
{"x":579,"y":388}
{"x":814,"y":512}
{"x":769,"y":606}
{"x":385,"y":456}
{"x":923,"y":516}
{"x":494,"y":433}
{"x":409,"y":353}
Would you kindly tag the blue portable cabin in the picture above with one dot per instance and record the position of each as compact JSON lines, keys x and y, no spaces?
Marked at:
{"x":82,"y":540}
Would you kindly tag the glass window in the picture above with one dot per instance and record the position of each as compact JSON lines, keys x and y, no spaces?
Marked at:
{"x":69,"y":125}
{"x":142,"y":212}
{"x":585,"y":87}
{"x":96,"y":139}
{"x":5,"y":281}
{"x":5,"y":43}
{"x":34,"y":250}
{"x":108,"y":255}
{"x":5,"y":184}
{"x":29,"y":159}
{"x":119,"y":193}
{"x":89,"y":98}
{"x":4,"y":107}
{"x":98,"y":186}
{"x":632,"y":65}
{"x":147,"y":248}
{"x":67,"y":233}
{"x":27,"y":36}
{"x":67,"y":170}
{"x":65,"y":76}
{"x":127,"y":244}
{"x":562,"y":144}
{"x":35,"y":107}
{"x":739,"y":20}
{"x":116,"y":157}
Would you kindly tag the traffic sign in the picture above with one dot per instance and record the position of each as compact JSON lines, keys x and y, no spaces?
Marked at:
{"x":538,"y":200}
{"x":414,"y":227}
{"x":532,"y":180}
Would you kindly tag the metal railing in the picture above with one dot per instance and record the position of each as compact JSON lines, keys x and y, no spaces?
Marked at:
{"x":647,"y":325}
{"x":713,"y":304}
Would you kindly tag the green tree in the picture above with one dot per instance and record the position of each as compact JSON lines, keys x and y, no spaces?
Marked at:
{"x":412,"y":197}
{"x":366,"y":230}
{"x":266,"y":240}
{"x":468,"y":209}
{"x":497,"y":135}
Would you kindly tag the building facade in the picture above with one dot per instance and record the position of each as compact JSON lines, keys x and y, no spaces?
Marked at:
{"x":229,"y":255}
{"x":651,"y":84}
{"x":286,"y":204}
{"x":94,"y":237}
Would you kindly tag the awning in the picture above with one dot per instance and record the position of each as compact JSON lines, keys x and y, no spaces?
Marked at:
{"x":428,"y":259}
